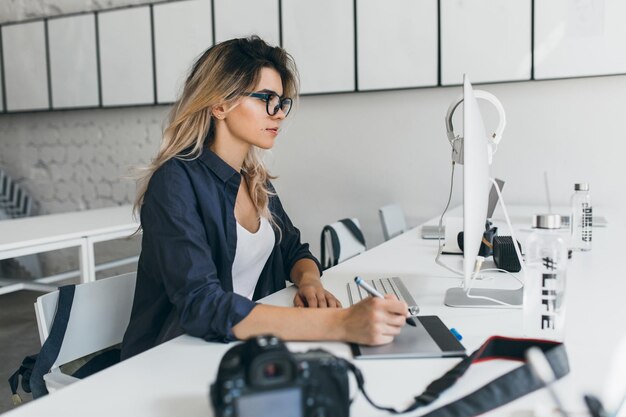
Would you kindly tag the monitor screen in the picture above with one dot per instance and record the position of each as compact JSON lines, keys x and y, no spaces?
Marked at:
{"x":476,"y":183}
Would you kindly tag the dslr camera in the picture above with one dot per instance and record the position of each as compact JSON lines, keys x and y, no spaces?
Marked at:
{"x":262,"y":378}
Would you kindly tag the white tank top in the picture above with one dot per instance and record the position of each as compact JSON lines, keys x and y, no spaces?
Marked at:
{"x":253,"y":251}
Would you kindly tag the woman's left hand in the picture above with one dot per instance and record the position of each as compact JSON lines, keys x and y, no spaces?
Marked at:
{"x":313,"y":295}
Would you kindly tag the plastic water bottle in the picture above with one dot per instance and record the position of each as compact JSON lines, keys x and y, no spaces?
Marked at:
{"x":581,"y":217}
{"x":544,"y":283}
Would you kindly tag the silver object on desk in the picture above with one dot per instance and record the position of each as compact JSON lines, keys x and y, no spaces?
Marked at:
{"x":432,"y":232}
{"x":393,"y":286}
{"x":493,"y":197}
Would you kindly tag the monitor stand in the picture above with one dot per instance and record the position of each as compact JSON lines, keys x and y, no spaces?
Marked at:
{"x":457,"y":297}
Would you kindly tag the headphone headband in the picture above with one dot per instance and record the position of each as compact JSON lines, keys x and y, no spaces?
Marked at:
{"x":456,"y":141}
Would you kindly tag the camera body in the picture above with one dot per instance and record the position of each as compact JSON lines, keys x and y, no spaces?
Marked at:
{"x":261,"y":377}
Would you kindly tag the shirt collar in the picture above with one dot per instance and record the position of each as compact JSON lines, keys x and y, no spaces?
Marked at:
{"x":216,"y":164}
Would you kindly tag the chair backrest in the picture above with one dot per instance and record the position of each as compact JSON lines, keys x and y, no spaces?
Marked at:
{"x":339,"y":243}
{"x":99,"y":317}
{"x":392,"y":220}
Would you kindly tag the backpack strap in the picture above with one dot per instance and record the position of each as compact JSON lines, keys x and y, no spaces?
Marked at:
{"x":52,"y":346}
{"x":354,"y":229}
{"x":327,"y":263}
{"x":25,"y":370}
{"x":336,"y":246}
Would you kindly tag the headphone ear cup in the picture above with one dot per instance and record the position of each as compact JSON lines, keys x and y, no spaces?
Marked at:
{"x":457,"y":150}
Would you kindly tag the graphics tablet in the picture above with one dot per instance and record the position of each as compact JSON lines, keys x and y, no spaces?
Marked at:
{"x":429,"y":339}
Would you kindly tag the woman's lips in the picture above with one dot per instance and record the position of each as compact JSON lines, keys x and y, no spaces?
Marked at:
{"x":273,"y":131}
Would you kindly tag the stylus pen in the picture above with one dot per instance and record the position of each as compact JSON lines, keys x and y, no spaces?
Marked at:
{"x":372,"y":291}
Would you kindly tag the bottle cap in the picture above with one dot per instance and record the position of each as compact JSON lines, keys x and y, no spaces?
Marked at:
{"x":581,"y":186}
{"x":547,"y":221}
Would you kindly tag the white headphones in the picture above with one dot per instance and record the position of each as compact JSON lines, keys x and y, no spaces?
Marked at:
{"x":456,"y":141}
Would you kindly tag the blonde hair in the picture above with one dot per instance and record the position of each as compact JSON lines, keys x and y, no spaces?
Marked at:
{"x":221,"y":75}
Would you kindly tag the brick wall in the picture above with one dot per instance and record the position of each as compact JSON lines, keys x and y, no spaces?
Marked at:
{"x":80,"y":159}
{"x":76,"y":160}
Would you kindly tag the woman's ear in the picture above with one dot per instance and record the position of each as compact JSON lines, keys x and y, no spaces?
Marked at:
{"x":219,"y":111}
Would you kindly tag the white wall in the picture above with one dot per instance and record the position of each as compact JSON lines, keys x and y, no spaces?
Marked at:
{"x":341,"y":155}
{"x":347,"y":155}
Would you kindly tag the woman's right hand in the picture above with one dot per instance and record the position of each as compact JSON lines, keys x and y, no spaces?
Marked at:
{"x":374,"y":321}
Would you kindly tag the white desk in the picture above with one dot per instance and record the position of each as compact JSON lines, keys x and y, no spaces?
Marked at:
{"x":173,"y":379}
{"x":30,"y":235}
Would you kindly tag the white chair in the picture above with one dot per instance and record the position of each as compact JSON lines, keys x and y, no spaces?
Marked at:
{"x":339,"y":243}
{"x":98,"y":319}
{"x":392,"y":220}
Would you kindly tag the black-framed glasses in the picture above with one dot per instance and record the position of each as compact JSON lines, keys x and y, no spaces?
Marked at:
{"x":273,"y":102}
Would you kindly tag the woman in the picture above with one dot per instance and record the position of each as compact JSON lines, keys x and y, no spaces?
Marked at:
{"x":215,"y":235}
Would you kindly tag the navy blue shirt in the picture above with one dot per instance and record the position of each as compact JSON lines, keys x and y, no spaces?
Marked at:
{"x":184,"y":276}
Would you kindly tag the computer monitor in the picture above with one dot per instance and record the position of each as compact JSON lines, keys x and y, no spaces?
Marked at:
{"x":476,"y":185}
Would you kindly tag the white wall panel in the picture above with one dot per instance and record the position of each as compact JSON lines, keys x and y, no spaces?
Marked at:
{"x":239,"y":18}
{"x":320,"y":37}
{"x":579,"y":38}
{"x":182,"y":32}
{"x":25,"y":67}
{"x":397,"y":43}
{"x":490,"y":40}
{"x":73,"y":61}
{"x":126,"y":57}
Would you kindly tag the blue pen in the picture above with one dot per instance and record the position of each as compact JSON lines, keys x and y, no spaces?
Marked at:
{"x":456,"y":334}
{"x":372,"y":291}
